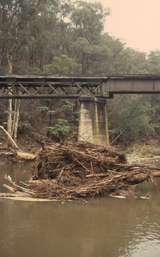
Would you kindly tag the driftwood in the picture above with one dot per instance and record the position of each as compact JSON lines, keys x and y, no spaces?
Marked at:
{"x":84,"y":170}
{"x":71,"y":171}
{"x":16,"y":149}
{"x":17,"y":188}
{"x":11,"y":140}
{"x":24,"y":198}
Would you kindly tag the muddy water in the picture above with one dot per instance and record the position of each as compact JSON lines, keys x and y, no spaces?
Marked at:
{"x":100,"y":228}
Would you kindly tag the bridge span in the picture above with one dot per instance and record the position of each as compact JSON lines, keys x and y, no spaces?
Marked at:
{"x":92,"y":92}
{"x":77,"y":87}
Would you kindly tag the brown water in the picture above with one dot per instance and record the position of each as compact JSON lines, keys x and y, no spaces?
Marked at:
{"x":100,"y":228}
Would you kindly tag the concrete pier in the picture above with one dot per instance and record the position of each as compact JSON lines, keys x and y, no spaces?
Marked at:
{"x":93,"y":124}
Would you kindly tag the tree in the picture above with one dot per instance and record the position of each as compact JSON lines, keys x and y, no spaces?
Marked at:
{"x":154,"y":62}
{"x":88,"y":20}
{"x":131,"y":118}
{"x":62,"y":65}
{"x":15,"y":16}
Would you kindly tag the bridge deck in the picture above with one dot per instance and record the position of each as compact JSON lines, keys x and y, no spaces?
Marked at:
{"x":76,"y":87}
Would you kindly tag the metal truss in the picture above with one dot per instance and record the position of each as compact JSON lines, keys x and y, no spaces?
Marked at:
{"x":49,"y":87}
{"x":77,"y":87}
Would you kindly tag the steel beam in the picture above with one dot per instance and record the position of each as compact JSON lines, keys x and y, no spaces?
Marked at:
{"x":76,"y":87}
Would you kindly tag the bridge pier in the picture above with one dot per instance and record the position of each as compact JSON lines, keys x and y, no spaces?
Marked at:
{"x":93,"y":124}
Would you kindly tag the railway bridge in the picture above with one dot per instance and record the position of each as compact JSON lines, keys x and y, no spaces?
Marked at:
{"x":92,"y":92}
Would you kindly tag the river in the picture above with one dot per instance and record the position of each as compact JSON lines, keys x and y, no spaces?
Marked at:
{"x":100,"y":228}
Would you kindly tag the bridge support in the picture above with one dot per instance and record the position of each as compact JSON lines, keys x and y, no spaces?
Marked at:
{"x":93,"y":124}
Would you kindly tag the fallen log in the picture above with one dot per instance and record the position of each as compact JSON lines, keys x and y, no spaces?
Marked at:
{"x":17,"y":188}
{"x":11,"y":189}
{"x":155,"y":174}
{"x":11,"y":140}
{"x":16,"y":149}
{"x":23,"y":198}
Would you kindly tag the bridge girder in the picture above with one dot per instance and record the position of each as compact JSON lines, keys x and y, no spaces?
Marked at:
{"x":77,"y":87}
{"x":51,"y":87}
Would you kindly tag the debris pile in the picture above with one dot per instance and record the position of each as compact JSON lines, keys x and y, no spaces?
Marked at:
{"x":83,"y":170}
{"x":71,"y":171}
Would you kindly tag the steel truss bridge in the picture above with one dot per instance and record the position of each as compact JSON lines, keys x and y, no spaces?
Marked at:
{"x":24,"y":87}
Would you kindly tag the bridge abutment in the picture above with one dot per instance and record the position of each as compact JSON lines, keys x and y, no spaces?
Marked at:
{"x":93,"y":124}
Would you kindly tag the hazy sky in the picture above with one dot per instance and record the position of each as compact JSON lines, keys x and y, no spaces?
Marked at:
{"x":136,"y":22}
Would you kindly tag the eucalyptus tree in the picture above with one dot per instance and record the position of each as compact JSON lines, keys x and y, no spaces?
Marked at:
{"x":15,"y":16}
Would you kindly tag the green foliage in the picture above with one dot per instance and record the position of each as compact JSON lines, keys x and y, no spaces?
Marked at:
{"x":88,"y":20}
{"x":76,"y":116}
{"x":67,"y":106}
{"x":62,"y":65}
{"x":154,"y":62}
{"x":60,"y":130}
{"x":131,"y":118}
{"x":57,"y":37}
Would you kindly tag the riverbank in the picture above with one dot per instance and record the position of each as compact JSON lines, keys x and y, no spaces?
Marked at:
{"x":144,"y":153}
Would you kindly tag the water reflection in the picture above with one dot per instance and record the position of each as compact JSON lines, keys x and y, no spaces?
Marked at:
{"x":101,"y":228}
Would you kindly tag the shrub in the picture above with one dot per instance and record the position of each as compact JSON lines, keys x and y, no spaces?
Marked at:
{"x":60,"y":130}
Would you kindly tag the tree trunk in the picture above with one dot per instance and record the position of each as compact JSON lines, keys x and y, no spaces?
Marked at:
{"x":10,"y":139}
{"x":13,"y":109}
{"x":16,"y":118}
{"x":9,"y":122}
